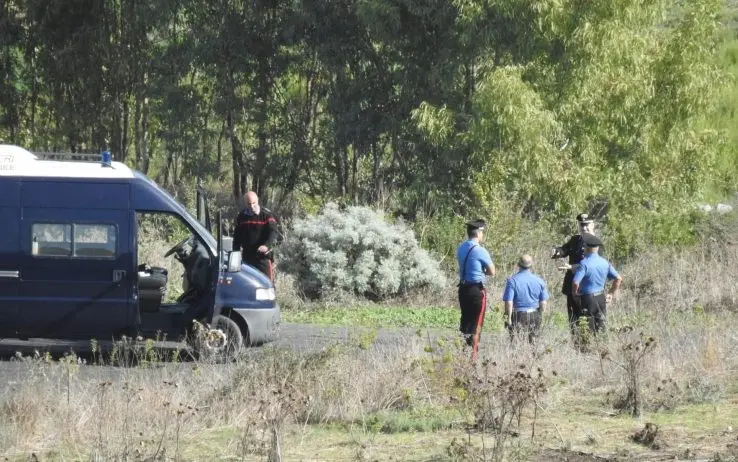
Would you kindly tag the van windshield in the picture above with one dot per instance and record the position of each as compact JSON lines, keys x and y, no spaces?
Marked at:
{"x":202,"y":231}
{"x":192,"y":221}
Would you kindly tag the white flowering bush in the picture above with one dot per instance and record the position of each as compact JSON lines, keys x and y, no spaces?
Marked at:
{"x":356,"y":251}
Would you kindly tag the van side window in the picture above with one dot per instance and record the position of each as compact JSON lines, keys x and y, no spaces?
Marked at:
{"x":51,"y":240}
{"x":95,"y":241}
{"x":74,"y":240}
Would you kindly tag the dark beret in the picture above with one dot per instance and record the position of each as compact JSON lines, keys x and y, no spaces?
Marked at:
{"x":476,"y":224}
{"x":591,"y":240}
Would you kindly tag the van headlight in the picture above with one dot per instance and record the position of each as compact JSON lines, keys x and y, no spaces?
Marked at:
{"x":265,"y":294}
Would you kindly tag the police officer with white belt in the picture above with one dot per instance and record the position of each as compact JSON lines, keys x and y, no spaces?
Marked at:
{"x":525,"y":297}
{"x":589,"y":282}
{"x":574,"y":249}
{"x":475,"y":264}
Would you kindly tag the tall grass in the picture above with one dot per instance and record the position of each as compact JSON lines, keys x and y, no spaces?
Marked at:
{"x":686,"y":301}
{"x":93,"y":412}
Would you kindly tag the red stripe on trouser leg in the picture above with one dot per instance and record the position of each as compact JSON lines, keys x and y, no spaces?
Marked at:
{"x":478,"y":330}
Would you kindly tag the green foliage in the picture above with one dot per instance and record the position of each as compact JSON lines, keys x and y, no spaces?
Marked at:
{"x":593,"y":103}
{"x":516,"y":139}
{"x":376,"y":316}
{"x":432,"y":108}
{"x":722,"y":117}
{"x":636,"y":232}
{"x":441,"y":234}
{"x":424,"y":419}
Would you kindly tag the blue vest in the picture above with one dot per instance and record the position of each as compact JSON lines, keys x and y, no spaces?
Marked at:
{"x":473,"y":259}
{"x":525,"y":290}
{"x":592,"y":274}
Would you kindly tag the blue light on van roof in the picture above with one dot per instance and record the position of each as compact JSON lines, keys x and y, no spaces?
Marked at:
{"x":107,"y":159}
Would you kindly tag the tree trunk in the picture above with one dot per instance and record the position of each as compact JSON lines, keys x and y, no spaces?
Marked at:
{"x":261,"y":118}
{"x":124,"y":137}
{"x":376,"y":174}
{"x":145,"y":129}
{"x":237,"y":156}
{"x":354,"y":175}
{"x":137,"y":116}
{"x":220,"y":149}
{"x":470,"y":85}
{"x":304,"y":134}
{"x":141,"y":127}
{"x":166,"y":173}
{"x":8,"y":94}
{"x":258,"y":179}
{"x":341,"y":170}
{"x":205,"y":138}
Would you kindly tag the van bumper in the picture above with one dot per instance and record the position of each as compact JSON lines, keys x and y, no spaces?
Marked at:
{"x":263,"y":323}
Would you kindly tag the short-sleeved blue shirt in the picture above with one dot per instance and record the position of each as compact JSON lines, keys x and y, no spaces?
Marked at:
{"x":525,"y":290}
{"x":479,"y":259}
{"x":592,"y":274}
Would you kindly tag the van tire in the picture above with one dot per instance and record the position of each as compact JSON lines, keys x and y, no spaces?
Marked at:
{"x":234,"y":337}
{"x":241,"y":323}
{"x":205,"y":351}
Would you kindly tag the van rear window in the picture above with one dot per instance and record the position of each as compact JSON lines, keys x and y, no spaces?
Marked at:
{"x":74,"y":240}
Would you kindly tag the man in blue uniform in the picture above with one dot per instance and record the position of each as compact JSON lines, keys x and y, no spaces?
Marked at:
{"x":525,"y":298}
{"x":589,"y":282}
{"x":574,"y":249}
{"x":475,"y":264}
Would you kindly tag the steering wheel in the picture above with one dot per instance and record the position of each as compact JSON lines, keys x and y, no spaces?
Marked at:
{"x":178,"y":246}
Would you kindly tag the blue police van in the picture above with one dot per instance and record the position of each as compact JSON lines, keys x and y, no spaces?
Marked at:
{"x":69,"y":269}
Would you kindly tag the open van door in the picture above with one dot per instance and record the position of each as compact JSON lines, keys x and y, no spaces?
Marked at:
{"x":216,"y":276}
{"x":203,"y":214}
{"x":228,"y":262}
{"x":228,"y":339}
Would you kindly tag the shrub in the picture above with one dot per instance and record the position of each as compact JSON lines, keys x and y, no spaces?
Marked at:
{"x":356,"y":251}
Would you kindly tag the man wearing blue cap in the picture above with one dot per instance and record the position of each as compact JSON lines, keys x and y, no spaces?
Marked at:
{"x":589,"y":281}
{"x":475,"y":264}
{"x":525,"y":298}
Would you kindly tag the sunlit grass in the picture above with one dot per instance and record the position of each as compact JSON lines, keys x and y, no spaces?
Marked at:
{"x":376,"y":316}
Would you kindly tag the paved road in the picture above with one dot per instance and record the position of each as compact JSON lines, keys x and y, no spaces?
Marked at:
{"x":300,"y":337}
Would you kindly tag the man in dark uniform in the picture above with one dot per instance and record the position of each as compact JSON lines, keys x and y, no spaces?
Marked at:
{"x":589,"y":281}
{"x":525,"y":297}
{"x":475,"y":264}
{"x":574,"y":249}
{"x":255,"y":235}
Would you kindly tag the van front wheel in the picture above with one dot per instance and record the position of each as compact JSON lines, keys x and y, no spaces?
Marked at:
{"x":224,"y":342}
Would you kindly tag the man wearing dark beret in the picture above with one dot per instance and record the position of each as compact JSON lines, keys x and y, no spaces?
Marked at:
{"x":574,"y":249}
{"x":475,"y":264}
{"x":589,"y":282}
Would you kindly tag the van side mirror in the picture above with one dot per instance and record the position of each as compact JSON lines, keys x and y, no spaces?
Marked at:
{"x":234,"y":262}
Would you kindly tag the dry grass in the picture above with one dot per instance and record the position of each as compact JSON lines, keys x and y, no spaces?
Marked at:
{"x":324,"y":405}
{"x":82,"y":412}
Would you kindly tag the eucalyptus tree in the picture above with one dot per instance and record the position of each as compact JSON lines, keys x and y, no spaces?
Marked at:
{"x":589,"y":103}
